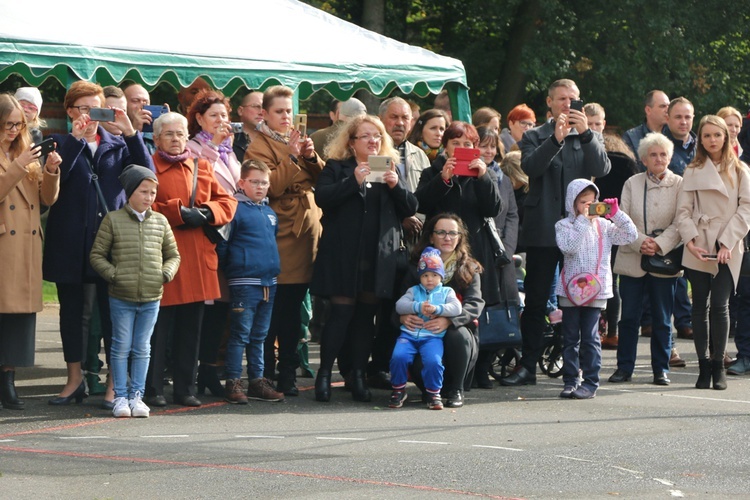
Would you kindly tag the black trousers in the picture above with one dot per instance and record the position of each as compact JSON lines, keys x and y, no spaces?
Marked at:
{"x":184,"y":321}
{"x":75,"y":314}
{"x":540,"y":271}
{"x":215,"y":322}
{"x":286,"y":326}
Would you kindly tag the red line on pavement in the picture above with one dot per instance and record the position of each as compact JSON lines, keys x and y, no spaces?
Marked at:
{"x":307,"y":475}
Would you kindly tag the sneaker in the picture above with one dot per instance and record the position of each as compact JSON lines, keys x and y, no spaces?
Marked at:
{"x":555,"y":316}
{"x":233,"y":392}
{"x":137,"y":407}
{"x":584,"y":392}
{"x":740,"y":367}
{"x":567,"y":392}
{"x":398,"y":397}
{"x":261,"y":389}
{"x":122,"y":408}
{"x":435,"y":402}
{"x":675,"y":361}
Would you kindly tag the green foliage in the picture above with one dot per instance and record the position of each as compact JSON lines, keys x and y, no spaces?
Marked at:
{"x":616,"y":51}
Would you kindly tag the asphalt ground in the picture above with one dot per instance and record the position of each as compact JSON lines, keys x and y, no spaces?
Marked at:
{"x":634,"y":440}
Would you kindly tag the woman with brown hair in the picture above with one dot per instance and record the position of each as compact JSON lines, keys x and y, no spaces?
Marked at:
{"x":295,"y":167}
{"x":428,"y":132}
{"x":713,"y":217}
{"x":24,"y":187}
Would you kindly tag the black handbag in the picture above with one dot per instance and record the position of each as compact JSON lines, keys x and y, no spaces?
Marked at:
{"x":668,"y":264}
{"x":215,"y":234}
{"x":498,"y":249}
{"x":745,"y":269}
{"x":499,"y":327}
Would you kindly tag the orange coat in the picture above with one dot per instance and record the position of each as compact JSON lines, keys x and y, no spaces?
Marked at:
{"x":291,"y":197}
{"x":196,"y":280}
{"x":21,"y":235}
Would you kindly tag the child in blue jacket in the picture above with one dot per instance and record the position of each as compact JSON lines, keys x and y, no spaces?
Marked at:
{"x":250,"y":260}
{"x":428,"y":300}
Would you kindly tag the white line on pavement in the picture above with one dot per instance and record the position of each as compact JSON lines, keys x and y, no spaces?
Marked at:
{"x":261,"y":437}
{"x":574,"y":458}
{"x":496,"y":447}
{"x":6,"y":440}
{"x":157,"y":436}
{"x":84,"y":437}
{"x":422,"y":442}
{"x":626,"y":470}
{"x":340,"y":439}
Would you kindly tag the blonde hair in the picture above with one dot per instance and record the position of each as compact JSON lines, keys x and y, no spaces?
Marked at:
{"x":22,"y":142}
{"x":340,"y":147}
{"x":511,"y":166}
{"x":728,"y":164}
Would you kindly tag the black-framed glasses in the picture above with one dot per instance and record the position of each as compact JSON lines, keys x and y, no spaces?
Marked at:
{"x":83,"y":109}
{"x":446,"y":234}
{"x":15,"y":125}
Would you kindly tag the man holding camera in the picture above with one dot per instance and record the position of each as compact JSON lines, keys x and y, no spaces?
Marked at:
{"x":250,"y":112}
{"x":137,"y":97}
{"x":553,"y":154}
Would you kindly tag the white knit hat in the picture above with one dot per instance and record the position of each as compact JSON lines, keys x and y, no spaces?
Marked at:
{"x":30,"y":94}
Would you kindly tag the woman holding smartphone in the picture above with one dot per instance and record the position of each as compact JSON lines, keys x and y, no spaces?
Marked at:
{"x":359,"y":250}
{"x":713,"y":216}
{"x":24,"y":187}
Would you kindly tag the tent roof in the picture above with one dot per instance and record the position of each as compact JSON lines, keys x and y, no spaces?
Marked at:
{"x":255,"y":43}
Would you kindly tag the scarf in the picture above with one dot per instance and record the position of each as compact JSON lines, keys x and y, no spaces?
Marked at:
{"x":224,"y":148}
{"x":449,"y":266}
{"x":264,"y":129}
{"x":430,"y":152}
{"x":173,"y":158}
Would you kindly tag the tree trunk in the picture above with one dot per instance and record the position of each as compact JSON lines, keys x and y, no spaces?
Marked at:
{"x":511,"y":79}
{"x":373,"y":19}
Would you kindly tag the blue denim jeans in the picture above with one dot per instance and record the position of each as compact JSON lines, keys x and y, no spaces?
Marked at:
{"x":660,"y":293}
{"x":430,"y":349}
{"x":582,"y":347}
{"x":250,"y":316}
{"x":132,"y":326}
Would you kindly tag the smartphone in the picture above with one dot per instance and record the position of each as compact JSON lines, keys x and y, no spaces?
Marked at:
{"x":46,"y":146}
{"x":379,"y":165}
{"x":600,"y":209}
{"x":102,"y":114}
{"x":156,"y":112}
{"x":577,"y":104}
{"x":710,"y":256}
{"x":463,"y":157}
{"x":300,"y":123}
{"x":237,"y":127}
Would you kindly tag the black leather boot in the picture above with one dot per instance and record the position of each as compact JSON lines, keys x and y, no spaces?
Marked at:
{"x":323,"y":386}
{"x":8,"y":391}
{"x":209,"y":378}
{"x":360,"y":391}
{"x":719,"y":374}
{"x":704,"y":374}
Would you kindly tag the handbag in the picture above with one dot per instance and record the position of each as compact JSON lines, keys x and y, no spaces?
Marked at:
{"x":584,"y":288}
{"x":745,"y":269}
{"x":499,"y":327}
{"x":215,"y":234}
{"x":668,"y":264}
{"x":498,"y":249}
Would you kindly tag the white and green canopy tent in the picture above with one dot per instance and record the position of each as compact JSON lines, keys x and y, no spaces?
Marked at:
{"x":234,"y":43}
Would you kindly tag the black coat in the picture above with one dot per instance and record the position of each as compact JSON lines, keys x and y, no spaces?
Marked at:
{"x":473,"y":199}
{"x":507,"y":225}
{"x":343,"y":203}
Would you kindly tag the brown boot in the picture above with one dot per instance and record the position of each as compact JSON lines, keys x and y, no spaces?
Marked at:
{"x":675,"y":360}
{"x":609,"y":342}
{"x":261,"y":389}
{"x":233,"y":392}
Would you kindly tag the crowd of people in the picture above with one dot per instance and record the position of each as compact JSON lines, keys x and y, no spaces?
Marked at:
{"x":184,"y":240}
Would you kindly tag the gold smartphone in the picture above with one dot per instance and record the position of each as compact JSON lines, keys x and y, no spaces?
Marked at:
{"x":300,"y":124}
{"x":379,"y":165}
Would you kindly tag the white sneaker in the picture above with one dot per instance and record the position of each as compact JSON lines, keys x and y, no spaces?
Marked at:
{"x":121,"y":408}
{"x":138,"y":408}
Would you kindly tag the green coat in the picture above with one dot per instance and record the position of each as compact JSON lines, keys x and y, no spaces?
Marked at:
{"x":135,"y":258}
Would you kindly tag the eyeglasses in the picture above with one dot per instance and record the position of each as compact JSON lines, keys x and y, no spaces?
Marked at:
{"x":17,"y":125}
{"x":527,"y":124}
{"x":257,"y":183}
{"x":254,"y":106}
{"x":172,"y":135}
{"x":446,"y":234}
{"x":368,"y":137}
{"x":83,"y":109}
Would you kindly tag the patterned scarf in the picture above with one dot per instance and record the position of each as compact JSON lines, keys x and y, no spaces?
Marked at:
{"x":430,"y":152}
{"x":224,"y":148}
{"x":174,"y":158}
{"x":449,"y":265}
{"x":266,"y":130}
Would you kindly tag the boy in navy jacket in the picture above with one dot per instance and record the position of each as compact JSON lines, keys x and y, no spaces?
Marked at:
{"x":250,"y":261}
